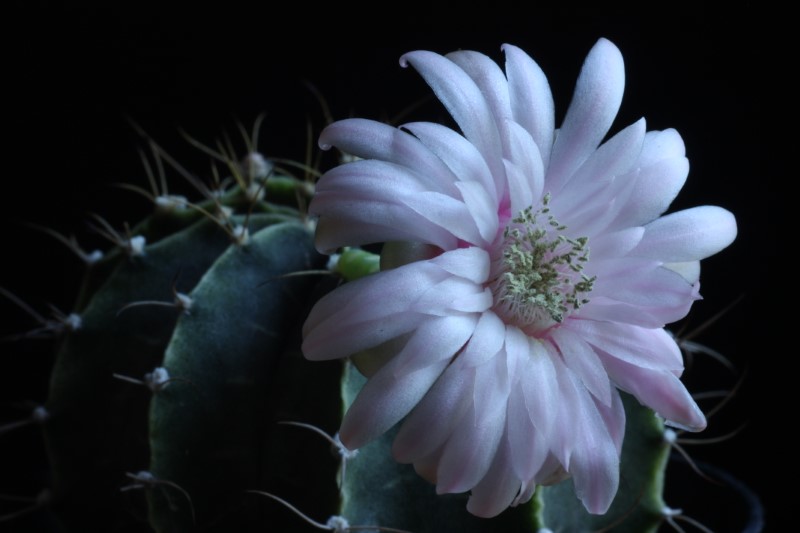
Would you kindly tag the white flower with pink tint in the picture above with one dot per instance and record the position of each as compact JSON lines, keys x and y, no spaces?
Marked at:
{"x":527,"y":277}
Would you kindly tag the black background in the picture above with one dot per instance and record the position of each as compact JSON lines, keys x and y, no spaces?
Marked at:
{"x":73,"y":74}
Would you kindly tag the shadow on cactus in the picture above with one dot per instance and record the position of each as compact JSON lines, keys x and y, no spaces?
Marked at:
{"x":493,"y":376}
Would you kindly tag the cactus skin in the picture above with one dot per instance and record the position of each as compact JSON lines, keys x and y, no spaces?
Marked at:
{"x":208,"y":435}
{"x":214,"y":434}
{"x":98,"y":425}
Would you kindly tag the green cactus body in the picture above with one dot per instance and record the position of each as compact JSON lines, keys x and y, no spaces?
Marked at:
{"x":208,"y":434}
{"x":98,"y":424}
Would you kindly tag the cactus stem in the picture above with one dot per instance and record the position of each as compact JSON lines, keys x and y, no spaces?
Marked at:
{"x":671,"y":515}
{"x":36,"y":502}
{"x":146,"y":480}
{"x":337,"y":524}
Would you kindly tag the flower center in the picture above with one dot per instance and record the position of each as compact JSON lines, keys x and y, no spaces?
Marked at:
{"x":540,"y":277}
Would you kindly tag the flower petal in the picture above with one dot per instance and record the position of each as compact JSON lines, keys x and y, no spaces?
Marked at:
{"x":460,"y":155}
{"x":614,"y":157}
{"x":689,"y":270}
{"x":446,"y":212}
{"x":464,"y":101}
{"x":367,"y":312}
{"x":643,"y":284}
{"x":472,"y":446}
{"x":589,"y":453}
{"x":363,"y":203}
{"x":584,"y":362}
{"x":660,"y":390}
{"x":493,"y":85}
{"x":369,"y":139}
{"x":497,"y":490}
{"x":597,"y":97}
{"x":431,"y":422}
{"x":688,"y":235}
{"x":616,"y":243}
{"x":531,"y":100}
{"x":660,"y":145}
{"x":396,"y":388}
{"x":525,"y":171}
{"x":656,"y":187}
{"x":481,"y":209}
{"x":646,"y":348}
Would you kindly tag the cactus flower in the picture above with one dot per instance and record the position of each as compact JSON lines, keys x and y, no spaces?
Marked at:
{"x":527,"y":275}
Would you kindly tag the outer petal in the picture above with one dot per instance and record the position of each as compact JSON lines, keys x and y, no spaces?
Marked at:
{"x":616,"y":244}
{"x":531,"y":100}
{"x":594,"y":105}
{"x":344,"y":321}
{"x":647,"y":348}
{"x":584,"y":362}
{"x":655,"y":290}
{"x":465,"y":102}
{"x":370,"y":139}
{"x":493,"y":85}
{"x":446,"y":212}
{"x":526,"y":182}
{"x":660,"y":145}
{"x":656,"y":187}
{"x":469,"y":263}
{"x":688,"y":235}
{"x":482,"y":210}
{"x":689,"y":270}
{"x":614,"y":157}
{"x":364,"y":202}
{"x":660,"y":390}
{"x":497,"y":490}
{"x":588,"y":451}
{"x":389,"y":395}
{"x":460,"y":155}
{"x":372,"y":310}
{"x":531,"y":409}
{"x":432,"y":421}
{"x":471,"y":448}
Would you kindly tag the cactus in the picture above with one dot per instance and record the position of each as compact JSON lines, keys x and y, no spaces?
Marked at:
{"x":180,"y":399}
{"x":183,"y":361}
